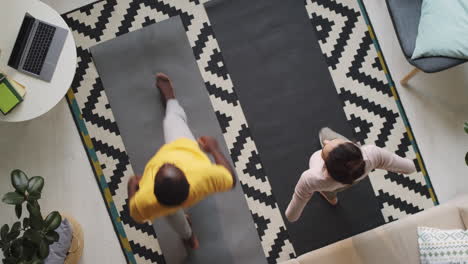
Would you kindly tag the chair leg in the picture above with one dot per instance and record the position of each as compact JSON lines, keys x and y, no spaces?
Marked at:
{"x":410,"y":75}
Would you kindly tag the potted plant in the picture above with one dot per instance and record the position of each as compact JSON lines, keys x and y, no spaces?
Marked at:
{"x":27,"y":240}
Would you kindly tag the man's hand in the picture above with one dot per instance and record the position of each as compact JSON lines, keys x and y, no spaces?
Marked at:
{"x":208,"y":144}
{"x":132,"y":186}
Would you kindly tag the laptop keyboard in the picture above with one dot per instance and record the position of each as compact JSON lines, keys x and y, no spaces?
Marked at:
{"x":39,"y":48}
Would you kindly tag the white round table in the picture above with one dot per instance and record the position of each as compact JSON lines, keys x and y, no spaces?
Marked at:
{"x":40,"y":96}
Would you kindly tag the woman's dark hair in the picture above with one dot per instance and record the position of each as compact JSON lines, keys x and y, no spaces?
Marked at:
{"x":345,"y":163}
{"x":171,"y":187}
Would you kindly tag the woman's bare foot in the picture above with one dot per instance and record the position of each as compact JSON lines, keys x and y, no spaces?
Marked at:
{"x":164,"y":84}
{"x":333,"y":202}
{"x":192,"y":242}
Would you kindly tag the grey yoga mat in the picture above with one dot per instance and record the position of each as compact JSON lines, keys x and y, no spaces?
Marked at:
{"x":127,"y":66}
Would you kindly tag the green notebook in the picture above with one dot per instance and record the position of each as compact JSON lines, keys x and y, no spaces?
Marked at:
{"x":9,"y":98}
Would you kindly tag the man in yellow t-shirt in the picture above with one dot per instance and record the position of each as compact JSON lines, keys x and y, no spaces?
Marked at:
{"x":180,"y":174}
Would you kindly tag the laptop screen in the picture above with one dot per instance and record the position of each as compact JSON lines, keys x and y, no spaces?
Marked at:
{"x":21,"y":41}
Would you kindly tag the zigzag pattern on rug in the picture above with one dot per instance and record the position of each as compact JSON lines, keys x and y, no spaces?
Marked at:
{"x":354,"y":65}
{"x":108,"y":19}
{"x":368,"y":102}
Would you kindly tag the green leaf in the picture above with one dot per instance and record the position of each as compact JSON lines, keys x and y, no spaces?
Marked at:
{"x":6,"y":249}
{"x":35,"y":219}
{"x":37,"y":223}
{"x":10,"y":260}
{"x":466,"y":127}
{"x":4,"y":231}
{"x":52,"y":221}
{"x":13,"y":198}
{"x":32,"y":209}
{"x":33,"y":235}
{"x":13,"y":234}
{"x":35,"y":204}
{"x":18,"y":210}
{"x":19,"y":180}
{"x":43,"y":249}
{"x":25,"y":222}
{"x":15,"y":231}
{"x":34,"y":196}
{"x":16,"y":226}
{"x":52,"y":236}
{"x":17,"y":248}
{"x":37,"y":261}
{"x":35,"y":184}
{"x":29,"y":248}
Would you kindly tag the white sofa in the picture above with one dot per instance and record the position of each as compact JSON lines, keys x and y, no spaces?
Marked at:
{"x":391,"y":243}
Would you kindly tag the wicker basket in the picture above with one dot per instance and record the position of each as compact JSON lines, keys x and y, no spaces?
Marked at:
{"x":76,"y":248}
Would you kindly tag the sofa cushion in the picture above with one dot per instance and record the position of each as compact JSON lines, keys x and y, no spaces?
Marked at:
{"x":462,"y":204}
{"x":291,"y":261}
{"x":340,"y":252}
{"x":405,"y":17}
{"x":442,"y":29}
{"x":442,"y":246}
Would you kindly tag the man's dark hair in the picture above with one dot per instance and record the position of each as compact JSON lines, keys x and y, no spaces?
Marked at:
{"x":171,"y":187}
{"x":345,"y":163}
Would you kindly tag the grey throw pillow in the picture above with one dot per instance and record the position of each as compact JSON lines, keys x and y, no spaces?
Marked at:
{"x":58,"y":250}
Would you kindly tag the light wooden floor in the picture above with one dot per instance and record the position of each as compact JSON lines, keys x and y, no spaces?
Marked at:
{"x":51,"y":147}
{"x":436,"y":105}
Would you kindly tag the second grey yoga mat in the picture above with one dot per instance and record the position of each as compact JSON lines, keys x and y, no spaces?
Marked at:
{"x":127,"y":67}
{"x":287,"y":94}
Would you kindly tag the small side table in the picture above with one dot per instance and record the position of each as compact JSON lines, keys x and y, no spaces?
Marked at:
{"x":40,"y":96}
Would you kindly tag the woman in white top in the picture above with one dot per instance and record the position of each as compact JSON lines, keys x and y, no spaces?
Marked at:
{"x":337,"y":166}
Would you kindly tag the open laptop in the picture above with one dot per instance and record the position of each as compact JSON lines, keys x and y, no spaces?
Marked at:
{"x":37,"y":48}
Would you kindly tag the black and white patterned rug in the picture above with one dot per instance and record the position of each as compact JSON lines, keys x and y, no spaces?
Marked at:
{"x":362,"y":83}
{"x":353,"y":62}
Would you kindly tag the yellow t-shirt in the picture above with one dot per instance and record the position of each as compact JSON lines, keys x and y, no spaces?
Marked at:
{"x":204,"y":178}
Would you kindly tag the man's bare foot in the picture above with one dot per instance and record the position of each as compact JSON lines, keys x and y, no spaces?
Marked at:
{"x":333,"y":202}
{"x":164,"y":84}
{"x":192,"y":242}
